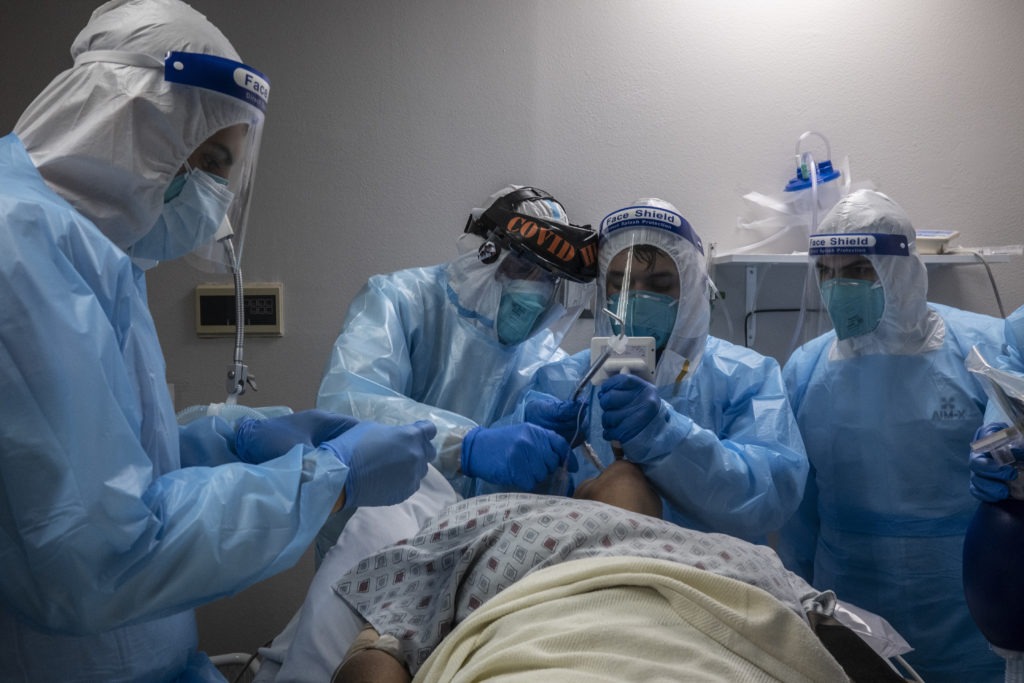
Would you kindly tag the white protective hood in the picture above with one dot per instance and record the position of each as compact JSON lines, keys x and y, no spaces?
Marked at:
{"x":109,"y":137}
{"x":908,"y":326}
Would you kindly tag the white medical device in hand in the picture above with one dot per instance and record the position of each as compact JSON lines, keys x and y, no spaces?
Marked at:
{"x":632,"y":355}
{"x":1002,"y":443}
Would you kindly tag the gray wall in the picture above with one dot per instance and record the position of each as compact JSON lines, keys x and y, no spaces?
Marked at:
{"x":390,"y":119}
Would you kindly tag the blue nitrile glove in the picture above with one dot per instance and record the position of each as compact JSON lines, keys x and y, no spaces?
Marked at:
{"x":386,"y":463}
{"x":519,"y":456}
{"x":257,"y":441}
{"x":629,"y":404}
{"x":568,"y":419}
{"x":989,"y":479}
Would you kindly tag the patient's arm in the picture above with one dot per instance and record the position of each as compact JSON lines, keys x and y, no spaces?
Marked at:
{"x":371,"y":666}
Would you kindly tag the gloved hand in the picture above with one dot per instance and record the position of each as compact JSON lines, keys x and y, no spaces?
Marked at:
{"x":257,"y":441}
{"x":989,"y":479}
{"x":629,"y":404}
{"x":519,"y":456}
{"x":386,"y":463}
{"x":568,"y":419}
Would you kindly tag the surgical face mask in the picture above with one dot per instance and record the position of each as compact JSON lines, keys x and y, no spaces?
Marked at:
{"x":195,"y":204}
{"x":647,"y":315}
{"x":522,"y":302}
{"x":855,"y":306}
{"x":174,"y":189}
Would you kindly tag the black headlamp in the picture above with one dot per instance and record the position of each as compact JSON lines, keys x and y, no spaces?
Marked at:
{"x":565,"y":250}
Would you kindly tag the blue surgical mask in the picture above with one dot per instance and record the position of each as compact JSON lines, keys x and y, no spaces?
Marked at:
{"x":647,"y":315}
{"x":195,"y":204}
{"x":522,"y":303}
{"x":174,"y":189}
{"x":855,"y":306}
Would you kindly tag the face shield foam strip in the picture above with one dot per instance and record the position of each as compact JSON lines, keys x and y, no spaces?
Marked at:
{"x":651,"y":217}
{"x":218,"y":74}
{"x":859,"y":243}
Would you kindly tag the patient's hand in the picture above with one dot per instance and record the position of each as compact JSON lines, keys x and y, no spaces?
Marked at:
{"x":372,"y":659}
{"x":623,"y":485}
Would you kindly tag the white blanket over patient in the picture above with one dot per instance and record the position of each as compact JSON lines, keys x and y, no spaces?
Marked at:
{"x":614,"y":619}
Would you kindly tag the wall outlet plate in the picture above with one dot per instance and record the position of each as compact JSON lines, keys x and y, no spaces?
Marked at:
{"x":636,"y":358}
{"x":264,"y":309}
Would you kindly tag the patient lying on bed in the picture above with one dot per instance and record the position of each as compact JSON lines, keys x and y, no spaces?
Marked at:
{"x":597,"y":588}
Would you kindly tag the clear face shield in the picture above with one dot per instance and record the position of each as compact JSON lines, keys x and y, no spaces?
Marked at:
{"x":651,"y":262}
{"x":642,"y":289}
{"x":527,"y":292}
{"x":230,"y":155}
{"x":844,"y":290}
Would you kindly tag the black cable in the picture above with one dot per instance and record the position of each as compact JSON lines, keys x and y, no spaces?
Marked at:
{"x":245,"y":667}
{"x":750,"y":314}
{"x":992,"y":281}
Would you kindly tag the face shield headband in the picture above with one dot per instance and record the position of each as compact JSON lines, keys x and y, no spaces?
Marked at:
{"x":568,"y":251}
{"x":651,"y":217}
{"x":855,"y":304}
{"x":858,"y":244}
{"x":251,"y":88}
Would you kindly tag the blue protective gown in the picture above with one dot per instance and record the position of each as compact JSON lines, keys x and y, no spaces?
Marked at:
{"x":1009,"y":357}
{"x":724,"y":453}
{"x":887,"y":502}
{"x":1013,"y":355}
{"x":420,"y":344}
{"x":109,"y":531}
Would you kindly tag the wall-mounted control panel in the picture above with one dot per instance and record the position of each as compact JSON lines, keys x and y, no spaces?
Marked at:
{"x":264,"y":309}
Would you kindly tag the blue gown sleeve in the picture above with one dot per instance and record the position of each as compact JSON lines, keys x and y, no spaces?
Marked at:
{"x":1014,"y":333}
{"x":797,"y":540}
{"x":996,"y":339}
{"x":540,"y":389}
{"x":559,"y":379}
{"x":100,"y":526}
{"x":1011,"y":358}
{"x":744,"y":477}
{"x":207,"y":442}
{"x":369,"y":374}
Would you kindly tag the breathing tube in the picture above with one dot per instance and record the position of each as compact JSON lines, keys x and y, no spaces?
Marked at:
{"x":809,"y":175}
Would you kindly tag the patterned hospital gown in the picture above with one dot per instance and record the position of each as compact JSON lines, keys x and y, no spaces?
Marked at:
{"x":420,"y":588}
